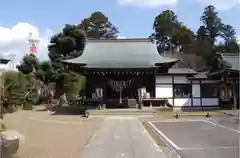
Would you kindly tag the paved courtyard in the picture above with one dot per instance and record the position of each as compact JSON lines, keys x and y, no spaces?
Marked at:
{"x":51,"y":136}
{"x":213,"y":137}
{"x":122,"y":138}
{"x":71,"y":136}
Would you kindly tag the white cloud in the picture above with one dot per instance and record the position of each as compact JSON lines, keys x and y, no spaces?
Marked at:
{"x":14,"y":40}
{"x":148,"y":3}
{"x":219,"y":4}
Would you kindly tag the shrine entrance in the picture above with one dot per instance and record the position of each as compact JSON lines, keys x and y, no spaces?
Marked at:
{"x":119,"y":86}
{"x":122,"y":88}
{"x":120,"y":91}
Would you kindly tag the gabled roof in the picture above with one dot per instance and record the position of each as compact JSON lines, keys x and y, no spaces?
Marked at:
{"x":191,"y":61}
{"x":120,"y":53}
{"x":232,"y":60}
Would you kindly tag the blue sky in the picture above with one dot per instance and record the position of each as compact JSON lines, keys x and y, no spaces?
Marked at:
{"x":134,"y":18}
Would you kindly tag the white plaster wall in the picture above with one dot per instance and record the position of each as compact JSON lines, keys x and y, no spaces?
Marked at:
{"x":181,"y":79}
{"x":164,"y":91}
{"x":170,"y":101}
{"x":182,"y":102}
{"x":210,"y":102}
{"x":179,"y":102}
{"x":163,"y":79}
{"x":196,"y":102}
{"x":196,"y":90}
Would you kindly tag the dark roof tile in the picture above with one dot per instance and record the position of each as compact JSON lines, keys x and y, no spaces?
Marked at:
{"x":120,"y":53}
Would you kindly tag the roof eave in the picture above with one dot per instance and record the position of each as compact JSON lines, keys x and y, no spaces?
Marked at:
{"x":4,"y":61}
{"x":74,"y":61}
{"x":170,"y":63}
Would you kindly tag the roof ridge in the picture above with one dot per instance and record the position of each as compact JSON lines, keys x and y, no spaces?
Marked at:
{"x":120,"y":40}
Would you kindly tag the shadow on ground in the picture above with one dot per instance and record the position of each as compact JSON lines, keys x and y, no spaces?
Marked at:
{"x":40,"y":110}
{"x":70,"y":110}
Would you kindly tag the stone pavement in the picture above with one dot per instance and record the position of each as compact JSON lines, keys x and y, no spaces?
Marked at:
{"x":231,"y":112}
{"x":122,"y":138}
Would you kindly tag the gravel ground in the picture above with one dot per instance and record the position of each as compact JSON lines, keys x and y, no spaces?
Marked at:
{"x":51,"y":136}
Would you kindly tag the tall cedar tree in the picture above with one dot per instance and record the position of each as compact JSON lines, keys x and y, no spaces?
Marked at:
{"x":212,"y":29}
{"x":98,"y":26}
{"x":170,"y":33}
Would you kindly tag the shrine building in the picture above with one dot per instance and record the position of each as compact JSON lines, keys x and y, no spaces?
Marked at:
{"x":118,"y":69}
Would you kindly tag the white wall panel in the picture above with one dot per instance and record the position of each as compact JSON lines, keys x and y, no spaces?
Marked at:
{"x":182,"y":102}
{"x":196,"y":102}
{"x":164,"y":91}
{"x":196,"y":90}
{"x":170,"y":101}
{"x":210,"y":101}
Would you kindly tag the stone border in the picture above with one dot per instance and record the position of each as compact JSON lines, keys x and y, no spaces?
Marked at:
{"x":169,"y":151}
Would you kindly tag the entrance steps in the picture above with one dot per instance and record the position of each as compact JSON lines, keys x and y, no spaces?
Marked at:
{"x":144,"y":112}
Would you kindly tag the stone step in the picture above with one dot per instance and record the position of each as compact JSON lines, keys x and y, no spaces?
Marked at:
{"x":124,"y":112}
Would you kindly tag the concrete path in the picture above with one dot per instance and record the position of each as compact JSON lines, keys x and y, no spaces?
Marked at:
{"x":231,"y":112}
{"x":122,"y":138}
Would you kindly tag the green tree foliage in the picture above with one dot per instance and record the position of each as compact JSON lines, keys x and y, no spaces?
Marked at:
{"x":230,"y":42}
{"x":73,"y":84}
{"x":14,"y":86}
{"x":30,"y":68}
{"x":228,"y":33}
{"x":98,"y":26}
{"x":28,"y":64}
{"x":67,"y":44}
{"x":169,"y":33}
{"x":212,"y":23}
{"x":212,"y":29}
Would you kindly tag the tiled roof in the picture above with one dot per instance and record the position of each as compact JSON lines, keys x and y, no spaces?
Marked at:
{"x":120,"y":53}
{"x":232,"y":60}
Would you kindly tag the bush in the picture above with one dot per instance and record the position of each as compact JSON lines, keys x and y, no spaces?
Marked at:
{"x":33,"y":97}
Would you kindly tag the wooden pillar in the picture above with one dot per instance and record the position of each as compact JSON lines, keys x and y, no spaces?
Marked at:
{"x":234,"y":88}
{"x":173,"y":95}
{"x":191,"y":95}
{"x":201,"y":93}
{"x":154,"y":84}
{"x":87,"y":89}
